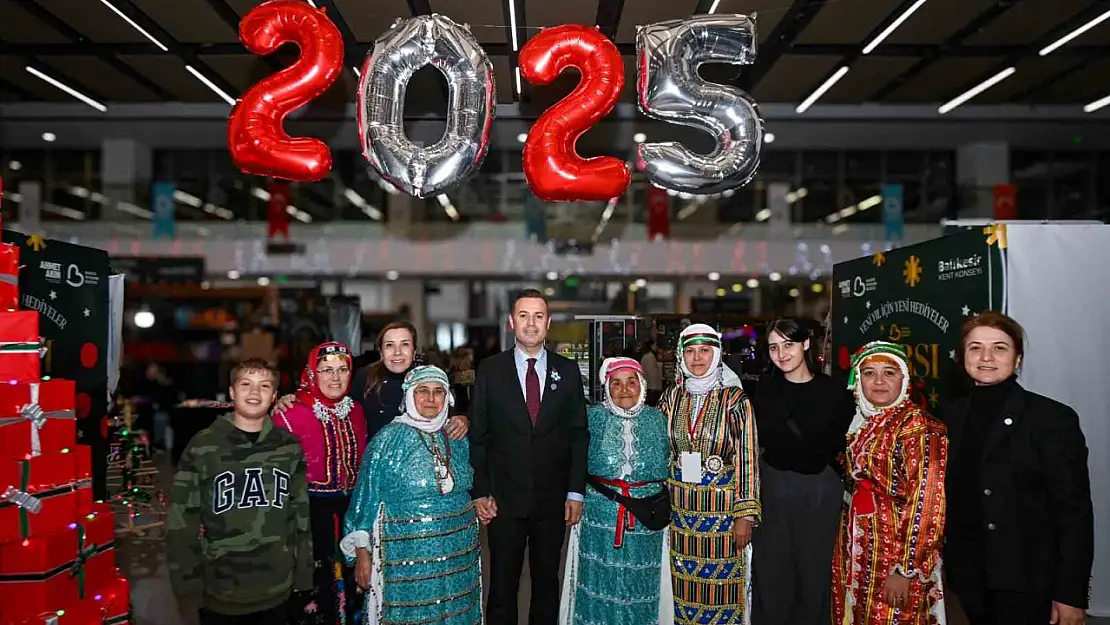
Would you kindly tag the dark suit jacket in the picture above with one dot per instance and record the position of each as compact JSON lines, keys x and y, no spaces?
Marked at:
{"x":528,"y":470}
{"x":1035,"y":502}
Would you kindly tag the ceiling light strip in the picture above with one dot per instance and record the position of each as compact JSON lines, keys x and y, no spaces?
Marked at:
{"x":976,"y":90}
{"x":211,"y":85}
{"x":1097,"y":104}
{"x":820,"y":91}
{"x":512,"y":24}
{"x":130,"y":21}
{"x":66,"y":88}
{"x":869,"y":48}
{"x":1062,"y":41}
{"x":713,"y":8}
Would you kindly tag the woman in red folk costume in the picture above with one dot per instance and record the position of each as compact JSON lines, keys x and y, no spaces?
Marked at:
{"x":887,"y":569}
{"x":332,"y":431}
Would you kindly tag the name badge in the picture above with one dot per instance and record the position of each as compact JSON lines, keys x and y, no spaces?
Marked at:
{"x":690,"y":462}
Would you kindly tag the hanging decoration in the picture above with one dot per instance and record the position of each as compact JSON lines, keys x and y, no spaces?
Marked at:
{"x":257,"y":141}
{"x":669,"y":88}
{"x":407,"y":46}
{"x":139,"y":504}
{"x":554,"y":170}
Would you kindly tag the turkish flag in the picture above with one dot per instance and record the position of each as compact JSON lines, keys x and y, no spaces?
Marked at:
{"x":276,"y":210}
{"x":658,"y":213}
{"x":1005,"y":201}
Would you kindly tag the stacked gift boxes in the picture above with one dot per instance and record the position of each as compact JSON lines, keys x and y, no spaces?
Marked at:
{"x":57,"y":558}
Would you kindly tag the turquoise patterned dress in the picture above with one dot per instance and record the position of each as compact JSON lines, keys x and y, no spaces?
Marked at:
{"x":604,"y":584}
{"x":425,"y":544}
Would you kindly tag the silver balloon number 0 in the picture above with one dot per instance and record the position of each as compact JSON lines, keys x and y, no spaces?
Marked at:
{"x":670,"y":89}
{"x":407,"y":46}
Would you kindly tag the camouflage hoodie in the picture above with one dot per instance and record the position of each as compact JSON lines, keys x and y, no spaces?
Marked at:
{"x":238,"y":538}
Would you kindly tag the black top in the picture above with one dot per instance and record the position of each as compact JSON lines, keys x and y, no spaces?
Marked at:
{"x":821,"y":410}
{"x":250,"y":436}
{"x":382,"y":405}
{"x":965,"y":515}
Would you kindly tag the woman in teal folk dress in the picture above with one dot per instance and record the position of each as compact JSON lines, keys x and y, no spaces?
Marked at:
{"x":616,"y":570}
{"x":411,"y":529}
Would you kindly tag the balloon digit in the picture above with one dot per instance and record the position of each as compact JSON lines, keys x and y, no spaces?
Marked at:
{"x":670,"y":89}
{"x":256,"y":139}
{"x":554,"y":170}
{"x":406,"y":47}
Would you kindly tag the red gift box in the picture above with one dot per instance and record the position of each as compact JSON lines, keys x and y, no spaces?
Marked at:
{"x":109,"y":606}
{"x":9,"y":276}
{"x":47,"y":573}
{"x":20,"y":347}
{"x":58,"y":482}
{"x":37,"y":417}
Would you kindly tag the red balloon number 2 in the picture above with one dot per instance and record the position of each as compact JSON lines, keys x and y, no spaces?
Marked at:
{"x":554,"y":170}
{"x":256,"y":139}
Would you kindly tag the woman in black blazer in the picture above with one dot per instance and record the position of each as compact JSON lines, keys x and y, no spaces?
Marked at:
{"x":1020,"y":530}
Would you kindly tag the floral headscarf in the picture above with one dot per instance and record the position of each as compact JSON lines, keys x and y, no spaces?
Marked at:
{"x":609,"y":368}
{"x":309,"y":392}
{"x":876,"y":351}
{"x":717,"y":376}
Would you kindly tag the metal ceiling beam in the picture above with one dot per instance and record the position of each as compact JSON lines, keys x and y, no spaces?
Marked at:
{"x":1031,"y":93}
{"x":186,"y":55}
{"x":912,"y":50}
{"x":782,"y":38}
{"x":231,"y":18}
{"x":50,"y":19}
{"x":609,"y":17}
{"x":1092,"y":11}
{"x":980,"y":22}
{"x":353,"y":51}
{"x":11,"y":87}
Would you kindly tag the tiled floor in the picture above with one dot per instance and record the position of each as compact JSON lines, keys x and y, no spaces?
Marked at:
{"x":142,"y":559}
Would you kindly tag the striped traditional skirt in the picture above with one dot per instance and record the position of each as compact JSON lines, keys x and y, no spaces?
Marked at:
{"x":712,"y":581}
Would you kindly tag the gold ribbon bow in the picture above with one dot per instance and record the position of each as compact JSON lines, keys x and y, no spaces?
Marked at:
{"x":996,"y":233}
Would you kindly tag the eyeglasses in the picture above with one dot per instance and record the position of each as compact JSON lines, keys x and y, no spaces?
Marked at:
{"x":423,"y":392}
{"x":341,"y":372}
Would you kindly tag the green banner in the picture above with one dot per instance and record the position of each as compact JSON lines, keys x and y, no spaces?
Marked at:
{"x":918,"y":296}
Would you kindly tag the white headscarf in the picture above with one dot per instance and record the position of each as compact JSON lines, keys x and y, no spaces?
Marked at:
{"x":609,"y":368}
{"x":718,"y":375}
{"x":425,"y":375}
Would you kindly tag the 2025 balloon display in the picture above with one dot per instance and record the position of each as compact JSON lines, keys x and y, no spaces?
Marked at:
{"x":668,"y":89}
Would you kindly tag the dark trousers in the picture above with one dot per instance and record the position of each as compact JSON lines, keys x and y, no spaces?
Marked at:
{"x":326,"y":513}
{"x":999,"y":607}
{"x":792,"y":549}
{"x":508,"y":537}
{"x":274,"y":616}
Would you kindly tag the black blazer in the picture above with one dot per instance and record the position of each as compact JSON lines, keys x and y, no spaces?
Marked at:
{"x":528,"y":470}
{"x":1035,"y":502}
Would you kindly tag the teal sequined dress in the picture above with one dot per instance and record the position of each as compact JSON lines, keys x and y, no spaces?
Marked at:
{"x":604,"y":584}
{"x":425,"y":543}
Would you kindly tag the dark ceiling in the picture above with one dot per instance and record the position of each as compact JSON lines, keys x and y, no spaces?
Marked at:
{"x":946,"y":47}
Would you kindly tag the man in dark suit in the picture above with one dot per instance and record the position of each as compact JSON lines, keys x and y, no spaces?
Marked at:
{"x":528,"y":446}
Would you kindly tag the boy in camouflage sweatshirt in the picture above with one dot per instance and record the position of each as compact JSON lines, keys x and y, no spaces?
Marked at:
{"x":238,"y":538}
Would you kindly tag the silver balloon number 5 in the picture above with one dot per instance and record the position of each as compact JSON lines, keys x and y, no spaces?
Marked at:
{"x":670,"y":89}
{"x":407,"y":46}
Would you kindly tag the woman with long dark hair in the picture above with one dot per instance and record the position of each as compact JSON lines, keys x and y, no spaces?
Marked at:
{"x":1020,"y":538}
{"x":377,"y":386}
{"x":802,"y":416}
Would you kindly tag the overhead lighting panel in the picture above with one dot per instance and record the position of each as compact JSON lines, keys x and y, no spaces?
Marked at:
{"x":870,"y":47}
{"x":512,"y":24}
{"x":976,"y":90}
{"x":66,"y":88}
{"x":820,"y":91}
{"x":1062,"y":41}
{"x":1097,"y":104}
{"x":211,"y":85}
{"x":130,"y":21}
